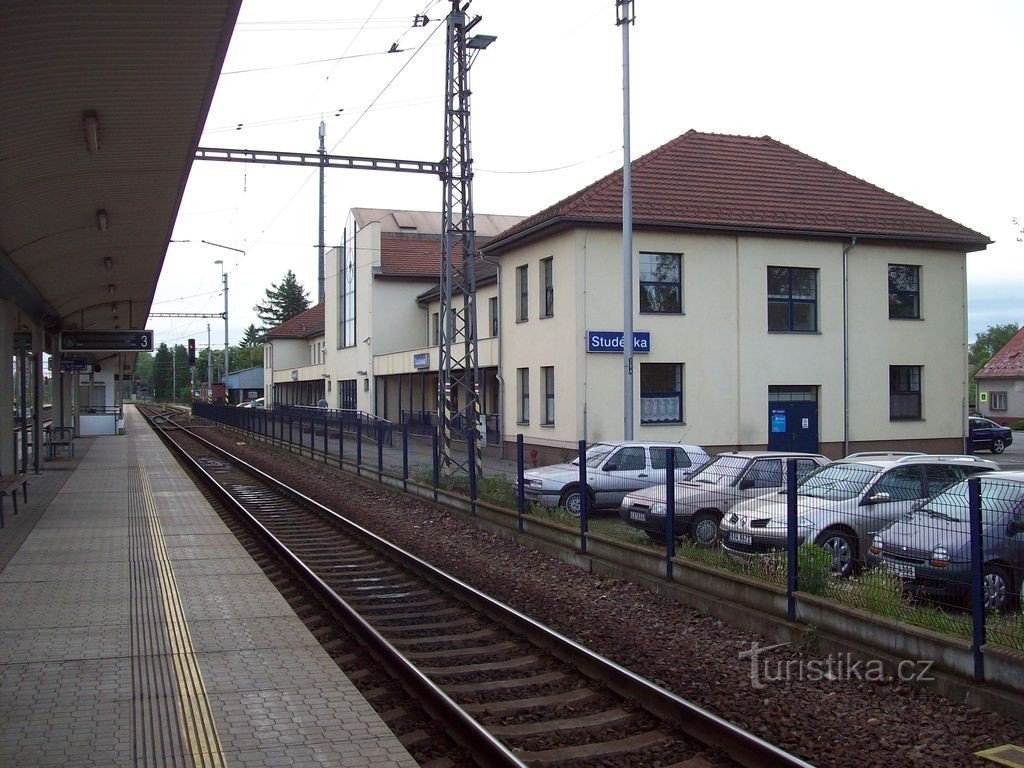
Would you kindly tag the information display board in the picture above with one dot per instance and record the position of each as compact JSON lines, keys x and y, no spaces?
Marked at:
{"x":106,"y":341}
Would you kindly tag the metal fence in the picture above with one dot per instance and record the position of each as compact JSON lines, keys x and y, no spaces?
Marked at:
{"x":920,"y":546}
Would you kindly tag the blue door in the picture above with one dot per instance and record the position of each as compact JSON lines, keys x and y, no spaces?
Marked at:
{"x":793,"y":426}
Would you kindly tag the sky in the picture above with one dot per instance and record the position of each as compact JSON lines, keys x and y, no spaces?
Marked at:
{"x":923,"y":99}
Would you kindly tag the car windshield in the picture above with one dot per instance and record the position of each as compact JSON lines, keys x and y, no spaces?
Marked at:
{"x":997,"y":498}
{"x":837,"y":482}
{"x":596,"y":454}
{"x":721,"y":470}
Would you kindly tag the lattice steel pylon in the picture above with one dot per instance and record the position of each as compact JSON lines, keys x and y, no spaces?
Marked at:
{"x":458,"y":387}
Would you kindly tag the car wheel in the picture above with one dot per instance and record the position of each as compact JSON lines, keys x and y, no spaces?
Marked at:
{"x":704,"y":529}
{"x":571,"y":500}
{"x":843,"y":549}
{"x":998,"y":445}
{"x":997,"y":590}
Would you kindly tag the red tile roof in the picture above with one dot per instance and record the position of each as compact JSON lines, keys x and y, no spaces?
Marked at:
{"x":1008,"y":362}
{"x":748,"y":183}
{"x":303,"y":326}
{"x":412,"y":257}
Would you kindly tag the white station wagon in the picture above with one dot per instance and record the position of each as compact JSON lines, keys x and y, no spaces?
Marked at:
{"x":613,"y":469}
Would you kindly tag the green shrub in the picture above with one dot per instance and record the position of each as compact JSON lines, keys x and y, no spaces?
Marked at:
{"x":814,"y":566}
{"x":1018,"y":426}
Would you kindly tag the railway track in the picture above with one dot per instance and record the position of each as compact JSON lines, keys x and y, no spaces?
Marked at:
{"x":505,"y":689}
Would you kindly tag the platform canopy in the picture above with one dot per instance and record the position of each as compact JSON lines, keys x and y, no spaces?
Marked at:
{"x":103,"y":105}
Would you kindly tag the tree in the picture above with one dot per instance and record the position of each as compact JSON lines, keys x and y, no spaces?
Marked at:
{"x":283,"y":302}
{"x":250,"y":349}
{"x":989,"y":342}
{"x":162,"y":383}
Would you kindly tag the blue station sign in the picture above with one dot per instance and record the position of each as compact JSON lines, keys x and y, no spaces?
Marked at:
{"x":613,"y":341}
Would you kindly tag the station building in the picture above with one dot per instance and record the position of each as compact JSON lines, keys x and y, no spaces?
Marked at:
{"x":778,"y":302}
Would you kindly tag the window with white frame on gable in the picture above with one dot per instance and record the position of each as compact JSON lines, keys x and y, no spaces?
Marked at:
{"x":435,"y":329}
{"x":904,"y":291}
{"x":792,"y":299}
{"x":523,"y":387}
{"x":547,"y":376}
{"x":904,"y":392}
{"x":661,"y":283}
{"x":547,"y":284}
{"x":661,"y":393}
{"x":492,"y":310}
{"x":522,"y":293}
{"x":997,"y":401}
{"x":347,"y":276}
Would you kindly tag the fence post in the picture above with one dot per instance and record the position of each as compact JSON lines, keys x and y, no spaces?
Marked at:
{"x":290,"y":435}
{"x":380,"y":450}
{"x":326,"y":432}
{"x":792,"y":562}
{"x":977,"y":577}
{"x":405,"y":456}
{"x":341,"y":440}
{"x":670,"y":510}
{"x":359,"y":444}
{"x":520,"y":491}
{"x":471,"y":443}
{"x":435,"y":459}
{"x":583,"y":495}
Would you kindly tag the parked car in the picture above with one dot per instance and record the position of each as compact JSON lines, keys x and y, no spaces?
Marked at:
{"x":702,"y":501}
{"x":257,"y":403}
{"x":842,"y":506}
{"x":988,"y":434}
{"x":612,"y":470}
{"x":930,"y":549}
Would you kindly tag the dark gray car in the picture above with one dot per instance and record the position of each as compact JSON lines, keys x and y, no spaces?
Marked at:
{"x":930,"y":549}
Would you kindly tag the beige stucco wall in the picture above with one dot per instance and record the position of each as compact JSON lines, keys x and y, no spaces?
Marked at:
{"x":729,"y":357}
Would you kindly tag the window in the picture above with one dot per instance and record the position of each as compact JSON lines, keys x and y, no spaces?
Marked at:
{"x":904,"y":392}
{"x":904,"y":291}
{"x":902,"y":484}
{"x":766,"y":473}
{"x":997,"y":401}
{"x":547,"y":374}
{"x":523,"y":377}
{"x":681,"y":458}
{"x":661,"y":393}
{"x":435,"y":329}
{"x":547,"y":287}
{"x":631,"y":459}
{"x":792,"y":299}
{"x":661,"y":282}
{"x":492,"y":308}
{"x":347,"y":275}
{"x":523,"y":286}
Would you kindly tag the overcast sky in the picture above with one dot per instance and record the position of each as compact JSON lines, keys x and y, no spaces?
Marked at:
{"x":921,"y":98}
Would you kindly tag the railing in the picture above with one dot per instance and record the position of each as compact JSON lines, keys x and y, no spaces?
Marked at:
{"x":425,"y":423}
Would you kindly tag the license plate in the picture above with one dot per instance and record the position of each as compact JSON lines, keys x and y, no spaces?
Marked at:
{"x":739,"y":538}
{"x":634,"y":515}
{"x":903,"y":570}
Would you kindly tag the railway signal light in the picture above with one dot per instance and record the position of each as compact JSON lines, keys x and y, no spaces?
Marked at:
{"x":192,"y":352}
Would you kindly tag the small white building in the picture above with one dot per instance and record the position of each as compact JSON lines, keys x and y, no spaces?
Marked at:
{"x":1000,"y":383}
{"x":778,"y":303}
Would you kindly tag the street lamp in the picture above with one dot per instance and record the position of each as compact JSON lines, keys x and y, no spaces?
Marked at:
{"x":224,"y":280}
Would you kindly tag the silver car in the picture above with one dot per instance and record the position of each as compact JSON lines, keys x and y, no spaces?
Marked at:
{"x":842,"y":506}
{"x":701,"y":501}
{"x":613,"y":469}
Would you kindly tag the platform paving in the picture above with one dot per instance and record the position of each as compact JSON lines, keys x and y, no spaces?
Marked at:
{"x":136,"y":631}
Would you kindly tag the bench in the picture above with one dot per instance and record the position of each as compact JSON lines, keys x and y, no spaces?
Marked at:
{"x":9,"y":485}
{"x":57,"y":437}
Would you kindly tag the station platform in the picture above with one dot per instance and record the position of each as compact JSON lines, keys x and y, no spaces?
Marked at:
{"x":136,"y":631}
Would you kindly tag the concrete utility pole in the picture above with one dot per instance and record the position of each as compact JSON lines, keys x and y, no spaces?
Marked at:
{"x":224,"y":280}
{"x":625,"y":17}
{"x":458,"y":390}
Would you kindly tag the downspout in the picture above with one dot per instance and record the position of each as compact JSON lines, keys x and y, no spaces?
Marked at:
{"x":500,"y":377}
{"x":846,"y":345}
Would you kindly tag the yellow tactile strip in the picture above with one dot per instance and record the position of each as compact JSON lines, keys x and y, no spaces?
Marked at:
{"x":172,"y":720}
{"x":1008,"y":754}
